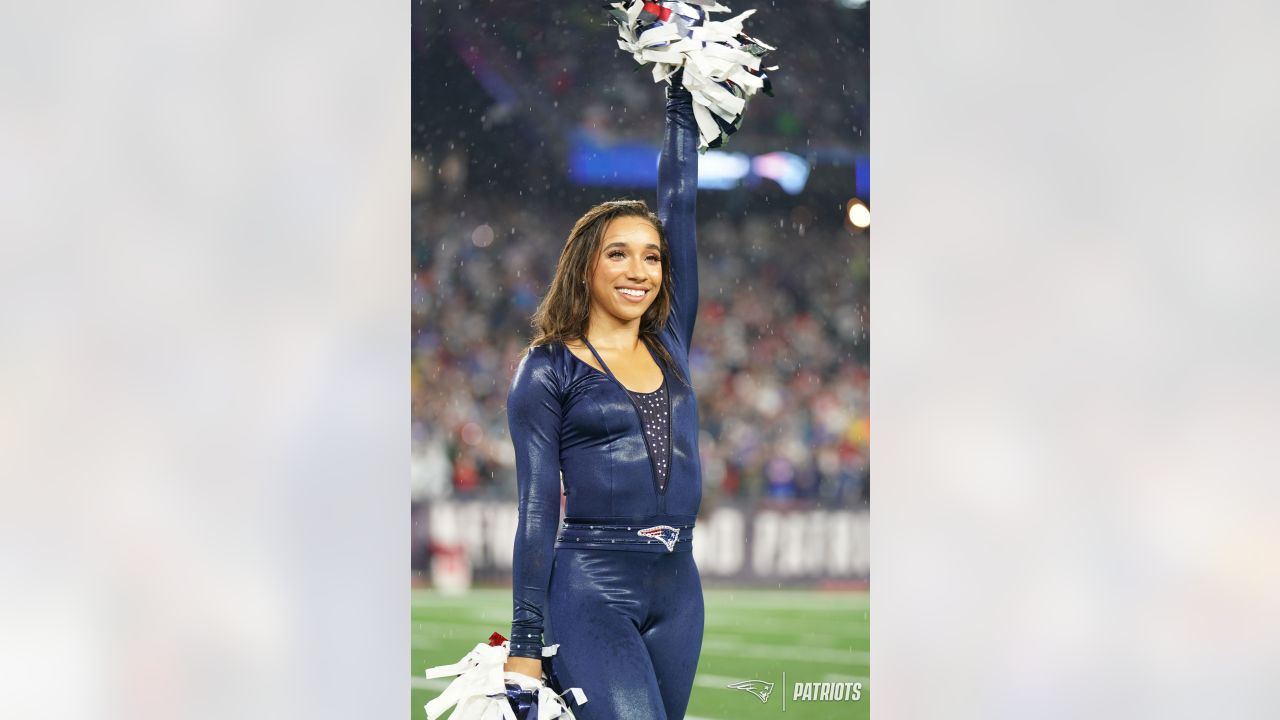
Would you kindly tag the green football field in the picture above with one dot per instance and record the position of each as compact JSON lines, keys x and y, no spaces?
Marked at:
{"x":812,"y":637}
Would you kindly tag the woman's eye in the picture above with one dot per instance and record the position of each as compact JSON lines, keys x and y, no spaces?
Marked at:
{"x":616,"y":253}
{"x":654,"y":258}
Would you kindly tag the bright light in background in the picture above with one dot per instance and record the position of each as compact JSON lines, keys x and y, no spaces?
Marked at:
{"x":790,"y":171}
{"x":482,"y":236}
{"x":635,"y":164}
{"x":858,"y":213}
{"x":719,"y":170}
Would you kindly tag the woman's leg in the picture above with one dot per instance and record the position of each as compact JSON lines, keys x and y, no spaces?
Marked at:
{"x":673,"y":634}
{"x":595,"y":605}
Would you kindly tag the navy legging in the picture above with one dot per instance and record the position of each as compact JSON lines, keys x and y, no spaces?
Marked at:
{"x":629,"y":626}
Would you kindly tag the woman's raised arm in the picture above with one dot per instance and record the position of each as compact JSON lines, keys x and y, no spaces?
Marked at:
{"x":677,"y":204}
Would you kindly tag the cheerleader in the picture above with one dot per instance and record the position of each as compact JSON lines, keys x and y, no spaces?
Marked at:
{"x":601,"y":409}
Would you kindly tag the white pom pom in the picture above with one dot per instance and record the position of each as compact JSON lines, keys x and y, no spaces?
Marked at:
{"x":721,"y":64}
{"x":479,"y":690}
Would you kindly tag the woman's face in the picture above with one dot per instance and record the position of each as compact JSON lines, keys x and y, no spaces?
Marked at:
{"x":628,"y":269}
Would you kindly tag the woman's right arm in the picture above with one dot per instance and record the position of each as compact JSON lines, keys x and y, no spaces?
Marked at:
{"x":533,"y":417}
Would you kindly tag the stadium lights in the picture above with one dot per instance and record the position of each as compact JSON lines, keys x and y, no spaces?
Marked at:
{"x":719,"y":170}
{"x":635,"y":164}
{"x":858,"y":214}
{"x":482,"y":236}
{"x":789,"y":170}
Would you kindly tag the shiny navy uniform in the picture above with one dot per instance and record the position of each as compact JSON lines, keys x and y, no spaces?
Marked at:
{"x":616,"y":586}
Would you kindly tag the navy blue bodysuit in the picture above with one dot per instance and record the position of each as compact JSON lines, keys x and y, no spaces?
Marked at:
{"x":615,"y":586}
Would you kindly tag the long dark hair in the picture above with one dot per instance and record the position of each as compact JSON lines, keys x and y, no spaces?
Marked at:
{"x":565,"y":311}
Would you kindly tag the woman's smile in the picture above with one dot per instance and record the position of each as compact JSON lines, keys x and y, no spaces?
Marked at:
{"x":628,"y":269}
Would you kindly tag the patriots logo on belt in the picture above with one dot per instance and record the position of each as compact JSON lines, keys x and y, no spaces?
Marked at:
{"x":667,"y":534}
{"x":759,"y":688}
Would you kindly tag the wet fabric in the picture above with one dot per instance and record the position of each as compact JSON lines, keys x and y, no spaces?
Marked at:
{"x":629,"y":624}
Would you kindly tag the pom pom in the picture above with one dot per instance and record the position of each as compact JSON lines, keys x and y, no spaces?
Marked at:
{"x":483,"y":691}
{"x":721,"y":64}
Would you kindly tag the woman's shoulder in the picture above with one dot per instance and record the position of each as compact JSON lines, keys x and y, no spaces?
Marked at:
{"x":671,"y":341}
{"x":542,"y":364}
{"x":549,"y":351}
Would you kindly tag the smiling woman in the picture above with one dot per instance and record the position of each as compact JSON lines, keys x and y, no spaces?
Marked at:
{"x":630,"y":266}
{"x":614,"y":250}
{"x":601,"y":402}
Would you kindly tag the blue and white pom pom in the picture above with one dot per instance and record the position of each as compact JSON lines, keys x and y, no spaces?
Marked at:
{"x":480,"y":691}
{"x":721,"y":64}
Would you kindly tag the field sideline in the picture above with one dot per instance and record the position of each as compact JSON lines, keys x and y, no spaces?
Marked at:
{"x":750,"y":635}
